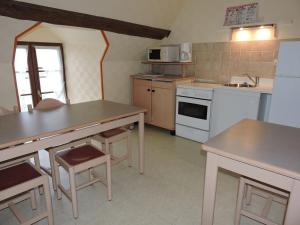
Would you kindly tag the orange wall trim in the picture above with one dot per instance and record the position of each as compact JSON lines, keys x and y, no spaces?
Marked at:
{"x":102,"y":60}
{"x":13,"y":59}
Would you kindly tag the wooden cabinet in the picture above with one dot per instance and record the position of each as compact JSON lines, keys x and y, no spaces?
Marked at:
{"x":158,"y":97}
{"x":142,"y":96}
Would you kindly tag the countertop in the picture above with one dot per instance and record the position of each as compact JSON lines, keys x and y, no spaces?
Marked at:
{"x":166,"y":78}
{"x":269,"y":146}
{"x":211,"y":86}
{"x":199,"y":85}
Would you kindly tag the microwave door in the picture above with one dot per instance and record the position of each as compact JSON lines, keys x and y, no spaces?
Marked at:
{"x":154,"y":55}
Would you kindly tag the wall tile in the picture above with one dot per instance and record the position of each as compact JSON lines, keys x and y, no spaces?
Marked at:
{"x":221,"y":60}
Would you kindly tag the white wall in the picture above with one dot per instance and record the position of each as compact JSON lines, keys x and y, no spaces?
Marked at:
{"x":202,"y":21}
{"x":122,"y":60}
{"x":83,"y":49}
{"x":162,"y":14}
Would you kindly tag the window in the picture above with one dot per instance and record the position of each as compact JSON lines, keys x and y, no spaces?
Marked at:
{"x":40,"y":73}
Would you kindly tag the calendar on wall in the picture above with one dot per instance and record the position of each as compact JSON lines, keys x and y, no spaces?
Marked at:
{"x":242,"y":14}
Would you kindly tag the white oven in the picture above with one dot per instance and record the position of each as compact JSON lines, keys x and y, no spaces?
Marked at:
{"x":193,"y":111}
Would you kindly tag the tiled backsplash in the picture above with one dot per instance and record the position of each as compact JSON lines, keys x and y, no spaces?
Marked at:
{"x":220,"y":61}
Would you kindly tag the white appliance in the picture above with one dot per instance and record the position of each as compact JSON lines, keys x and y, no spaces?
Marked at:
{"x":193,"y":110}
{"x":186,"y":52}
{"x":163,"y":54}
{"x":285,"y":103}
{"x":231,"y":105}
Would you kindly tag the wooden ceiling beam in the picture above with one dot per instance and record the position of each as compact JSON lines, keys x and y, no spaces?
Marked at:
{"x":28,"y":11}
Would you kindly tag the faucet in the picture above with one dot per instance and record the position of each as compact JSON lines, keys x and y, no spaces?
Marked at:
{"x":255,"y":81}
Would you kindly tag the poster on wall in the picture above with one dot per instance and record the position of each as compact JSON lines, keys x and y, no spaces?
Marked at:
{"x":242,"y":14}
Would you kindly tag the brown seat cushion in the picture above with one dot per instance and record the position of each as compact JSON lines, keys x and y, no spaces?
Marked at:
{"x":111,"y":133}
{"x":15,"y":175}
{"x":79,"y":155}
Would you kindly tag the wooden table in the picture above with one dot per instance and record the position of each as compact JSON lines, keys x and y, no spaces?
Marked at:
{"x":64,"y":124}
{"x":262,"y":151}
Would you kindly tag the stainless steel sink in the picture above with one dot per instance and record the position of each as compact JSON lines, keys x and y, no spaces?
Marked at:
{"x":246,"y":85}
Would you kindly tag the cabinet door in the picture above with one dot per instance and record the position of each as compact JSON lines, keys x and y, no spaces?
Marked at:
{"x":142,"y":96}
{"x":163,"y":108}
{"x":231,"y":106}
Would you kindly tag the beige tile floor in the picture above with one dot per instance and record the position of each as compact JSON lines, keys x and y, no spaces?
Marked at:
{"x":169,"y":193}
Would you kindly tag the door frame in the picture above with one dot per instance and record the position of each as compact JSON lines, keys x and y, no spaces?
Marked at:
{"x":33,"y":67}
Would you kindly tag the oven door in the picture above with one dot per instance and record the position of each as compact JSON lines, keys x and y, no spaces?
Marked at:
{"x":193,"y":112}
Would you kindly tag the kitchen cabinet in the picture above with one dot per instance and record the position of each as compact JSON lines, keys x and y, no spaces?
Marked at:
{"x":158,"y":97}
{"x":163,"y":105}
{"x":230,"y":106}
{"x":142,"y":96}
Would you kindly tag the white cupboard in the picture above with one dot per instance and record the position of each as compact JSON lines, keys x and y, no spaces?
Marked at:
{"x":230,"y":106}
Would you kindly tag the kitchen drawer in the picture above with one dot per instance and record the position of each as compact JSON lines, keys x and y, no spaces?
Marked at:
{"x":140,"y":82}
{"x":195,"y":93}
{"x":192,"y":133}
{"x":162,"y":84}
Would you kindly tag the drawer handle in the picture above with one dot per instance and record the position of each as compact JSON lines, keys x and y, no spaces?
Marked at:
{"x":153,"y":90}
{"x":148,"y":89}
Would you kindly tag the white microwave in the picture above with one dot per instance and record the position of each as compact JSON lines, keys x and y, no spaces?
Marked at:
{"x":163,"y":54}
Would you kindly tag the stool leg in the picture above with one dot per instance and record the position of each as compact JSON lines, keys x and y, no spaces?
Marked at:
{"x":108,"y":178}
{"x":48,"y":200}
{"x":57,"y":177}
{"x":129,"y":150}
{"x":51,"y":159}
{"x":33,"y":199}
{"x":248,"y":194}
{"x":37,"y":165}
{"x":103,"y":147}
{"x":111,"y":150}
{"x":239,"y":202}
{"x":73,"y":193}
{"x":91,"y":175}
{"x":107,"y":147}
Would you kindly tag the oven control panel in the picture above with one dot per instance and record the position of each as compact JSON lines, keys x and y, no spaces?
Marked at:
{"x":195,"y":93}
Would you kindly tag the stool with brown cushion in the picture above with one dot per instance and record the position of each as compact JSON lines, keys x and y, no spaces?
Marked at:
{"x":44,"y":105}
{"x":19,"y":179}
{"x":77,"y":157}
{"x":34,"y":156}
{"x":107,"y":138}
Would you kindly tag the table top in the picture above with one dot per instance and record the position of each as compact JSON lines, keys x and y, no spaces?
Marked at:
{"x":22,"y":127}
{"x":269,"y":146}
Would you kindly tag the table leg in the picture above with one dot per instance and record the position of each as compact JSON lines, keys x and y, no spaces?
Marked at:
{"x":292,"y":216}
{"x":141,"y":143}
{"x":210,"y":186}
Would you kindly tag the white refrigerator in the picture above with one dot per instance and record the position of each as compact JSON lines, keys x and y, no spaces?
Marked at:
{"x":285,"y":103}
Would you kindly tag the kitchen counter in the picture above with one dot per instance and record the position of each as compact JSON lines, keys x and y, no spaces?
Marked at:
{"x":164,"y":78}
{"x":259,"y":89}
{"x":211,"y":86}
{"x":198,"y":85}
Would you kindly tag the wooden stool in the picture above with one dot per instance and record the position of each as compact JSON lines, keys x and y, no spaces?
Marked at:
{"x":34,"y":156}
{"x":247,"y":188}
{"x":44,"y":105}
{"x":107,"y":138}
{"x":16,"y":180}
{"x":75,"y":159}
